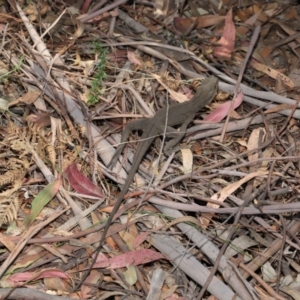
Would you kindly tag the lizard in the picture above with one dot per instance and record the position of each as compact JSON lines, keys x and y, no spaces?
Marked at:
{"x":175,"y":114}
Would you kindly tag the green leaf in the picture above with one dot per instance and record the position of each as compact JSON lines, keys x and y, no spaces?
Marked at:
{"x":41,"y":200}
{"x":130,"y":275}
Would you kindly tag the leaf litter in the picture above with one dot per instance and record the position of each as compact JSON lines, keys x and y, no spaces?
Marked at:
{"x":73,"y":74}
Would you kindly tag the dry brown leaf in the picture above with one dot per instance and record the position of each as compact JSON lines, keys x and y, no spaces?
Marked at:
{"x":187,"y":161}
{"x":272,"y":73}
{"x":256,"y":137}
{"x":222,"y":195}
{"x":278,"y":108}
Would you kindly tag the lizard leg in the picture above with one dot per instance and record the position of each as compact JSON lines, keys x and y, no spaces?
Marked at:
{"x":177,"y":136}
{"x":129,"y":127}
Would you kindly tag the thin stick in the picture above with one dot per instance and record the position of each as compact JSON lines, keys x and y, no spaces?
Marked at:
{"x":249,"y":52}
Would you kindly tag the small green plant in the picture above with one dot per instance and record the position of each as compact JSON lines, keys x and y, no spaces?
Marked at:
{"x":99,"y":75}
{"x":16,"y":68}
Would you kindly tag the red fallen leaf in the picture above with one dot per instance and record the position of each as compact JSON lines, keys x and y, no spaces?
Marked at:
{"x":223,"y":110}
{"x":81,"y":184}
{"x":16,"y":279}
{"x":102,"y":261}
{"x":130,"y":258}
{"x":227,"y":40}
